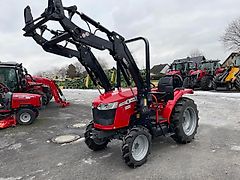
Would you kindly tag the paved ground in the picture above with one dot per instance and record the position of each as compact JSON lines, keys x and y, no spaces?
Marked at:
{"x":28,"y":153}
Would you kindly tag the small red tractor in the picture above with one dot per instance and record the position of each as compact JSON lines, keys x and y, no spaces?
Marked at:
{"x":18,"y":80}
{"x":203,"y":76}
{"x":134,"y":115}
{"x":21,"y":108}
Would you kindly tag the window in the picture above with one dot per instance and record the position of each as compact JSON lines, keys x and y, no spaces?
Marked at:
{"x":9,"y":78}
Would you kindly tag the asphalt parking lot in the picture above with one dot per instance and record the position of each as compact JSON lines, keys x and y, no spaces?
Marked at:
{"x":27,"y":152}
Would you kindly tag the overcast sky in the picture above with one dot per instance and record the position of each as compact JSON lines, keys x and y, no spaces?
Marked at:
{"x":173,"y":27}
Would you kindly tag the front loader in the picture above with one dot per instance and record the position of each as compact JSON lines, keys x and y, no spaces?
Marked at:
{"x":135,"y":114}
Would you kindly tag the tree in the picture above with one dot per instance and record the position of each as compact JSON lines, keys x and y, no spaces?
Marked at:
{"x":62,"y":72}
{"x":231,"y":37}
{"x":71,"y":71}
{"x":195,"y":53}
{"x":79,"y":68}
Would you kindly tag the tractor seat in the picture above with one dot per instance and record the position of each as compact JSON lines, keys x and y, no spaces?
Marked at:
{"x":168,"y":84}
{"x":5,"y":100}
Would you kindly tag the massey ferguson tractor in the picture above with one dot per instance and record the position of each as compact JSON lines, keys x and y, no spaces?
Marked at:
{"x":17,"y":79}
{"x":181,"y":68}
{"x":18,"y":108}
{"x":203,"y":76}
{"x":134,"y":115}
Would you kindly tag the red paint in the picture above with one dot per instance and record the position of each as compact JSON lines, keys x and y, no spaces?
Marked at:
{"x":38,"y":81}
{"x":8,"y":122}
{"x":173,"y":72}
{"x":122,"y":117}
{"x":18,"y":101}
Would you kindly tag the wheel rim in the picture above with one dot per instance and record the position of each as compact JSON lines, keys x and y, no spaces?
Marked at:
{"x":25,"y":117}
{"x":210,"y":84}
{"x":140,"y":147}
{"x":189,"y":121}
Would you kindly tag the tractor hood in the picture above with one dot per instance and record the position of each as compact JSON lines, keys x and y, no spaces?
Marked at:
{"x":173,"y":72}
{"x":25,"y":99}
{"x":117,"y":96}
{"x":24,"y":96}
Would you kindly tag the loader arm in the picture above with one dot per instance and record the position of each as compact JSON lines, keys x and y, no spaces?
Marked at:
{"x":84,"y":41}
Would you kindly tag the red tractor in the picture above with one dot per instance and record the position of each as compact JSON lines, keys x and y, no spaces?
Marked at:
{"x":18,"y":80}
{"x":133,"y":115}
{"x":181,"y":68}
{"x":21,"y":108}
{"x":203,"y":76}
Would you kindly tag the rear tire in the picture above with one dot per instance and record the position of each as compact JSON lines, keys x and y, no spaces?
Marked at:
{"x":94,"y":143}
{"x":25,"y":116}
{"x":215,"y":80}
{"x":187,"y":83}
{"x":136,"y":146}
{"x":207,"y":83}
{"x":184,"y":120}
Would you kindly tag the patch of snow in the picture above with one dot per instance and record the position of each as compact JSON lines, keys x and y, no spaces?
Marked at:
{"x":89,"y":161}
{"x":11,"y":178}
{"x":15,"y":146}
{"x":216,"y":94}
{"x":106,"y":156}
{"x":235,"y":148}
{"x":79,"y":140}
{"x":79,"y":125}
{"x":59,"y":164}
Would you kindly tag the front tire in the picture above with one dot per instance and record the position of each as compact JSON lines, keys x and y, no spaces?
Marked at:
{"x":207,"y":83}
{"x":184,"y":121}
{"x":94,"y":144}
{"x":187,"y":83}
{"x":136,"y":146}
{"x":25,"y":116}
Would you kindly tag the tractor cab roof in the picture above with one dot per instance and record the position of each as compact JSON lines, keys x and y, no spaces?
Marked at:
{"x":10,"y":64}
{"x":210,"y":61}
{"x":182,"y":62}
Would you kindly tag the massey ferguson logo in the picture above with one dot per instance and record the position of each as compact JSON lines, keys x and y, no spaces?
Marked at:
{"x":128,"y":101}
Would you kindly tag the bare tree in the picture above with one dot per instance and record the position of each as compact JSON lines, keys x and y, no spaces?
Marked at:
{"x":231,"y":37}
{"x":62,"y":72}
{"x":79,"y":67}
{"x":195,"y":53}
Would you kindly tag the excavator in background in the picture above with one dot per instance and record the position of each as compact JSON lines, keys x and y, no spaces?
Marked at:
{"x":18,"y":80}
{"x":135,"y":114}
{"x":229,"y":78}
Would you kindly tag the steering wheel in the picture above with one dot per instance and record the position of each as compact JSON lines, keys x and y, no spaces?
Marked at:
{"x":177,"y":81}
{"x":4,"y":88}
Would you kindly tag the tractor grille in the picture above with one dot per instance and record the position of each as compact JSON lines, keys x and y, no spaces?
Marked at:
{"x":104,"y":117}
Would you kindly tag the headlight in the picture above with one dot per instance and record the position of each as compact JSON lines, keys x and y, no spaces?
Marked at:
{"x":108,"y":106}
